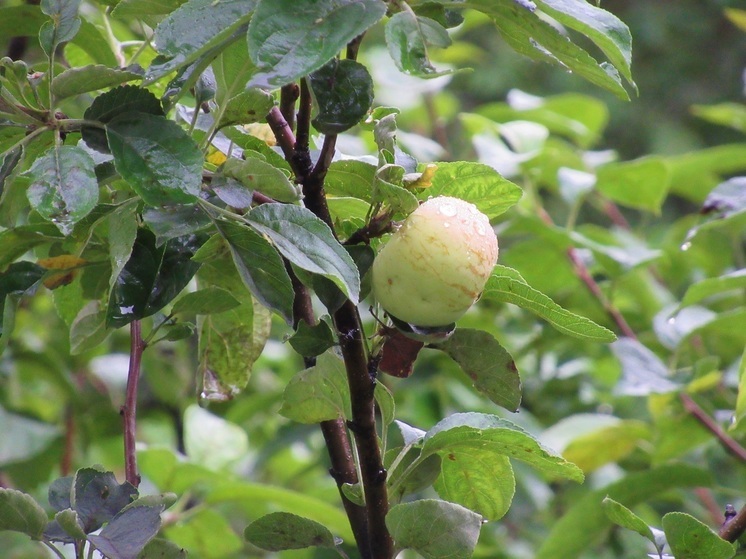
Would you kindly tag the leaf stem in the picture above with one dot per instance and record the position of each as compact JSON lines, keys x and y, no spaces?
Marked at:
{"x":54,"y":549}
{"x":25,"y":140}
{"x":129,"y":410}
{"x":711,"y":425}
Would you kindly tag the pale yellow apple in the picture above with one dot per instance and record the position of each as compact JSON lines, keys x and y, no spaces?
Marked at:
{"x":436,"y":265}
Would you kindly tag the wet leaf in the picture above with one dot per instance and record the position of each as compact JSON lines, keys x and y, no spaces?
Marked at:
{"x":281,"y":530}
{"x":343,"y":90}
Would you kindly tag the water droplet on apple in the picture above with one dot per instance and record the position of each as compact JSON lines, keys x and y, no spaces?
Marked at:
{"x":448,"y":210}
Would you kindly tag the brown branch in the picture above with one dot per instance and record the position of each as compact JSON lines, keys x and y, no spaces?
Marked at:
{"x":733,"y":528}
{"x":129,"y":410}
{"x":728,"y":443}
{"x":288,"y":97}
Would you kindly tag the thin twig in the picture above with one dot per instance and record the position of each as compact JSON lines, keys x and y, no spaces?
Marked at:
{"x":733,"y":529}
{"x":728,"y":443}
{"x":129,"y":410}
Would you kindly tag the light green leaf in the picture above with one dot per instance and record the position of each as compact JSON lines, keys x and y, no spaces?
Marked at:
{"x":350,"y":178}
{"x":83,"y":79}
{"x":476,"y":183}
{"x":434,"y":529}
{"x":20,"y":513}
{"x":641,"y":184}
{"x":621,"y":515}
{"x":156,"y":157}
{"x":319,"y":393}
{"x":263,"y":177}
{"x":211,"y":440}
{"x":206,"y":534}
{"x":205,"y":301}
{"x":307,"y":242}
{"x":714,"y":286}
{"x":63,"y":186}
{"x":30,"y":438}
{"x":689,"y":538}
{"x":408,"y":37}
{"x":741,"y":398}
{"x":281,"y":530}
{"x":504,"y":286}
{"x":196,"y":27}
{"x":583,"y":523}
{"x":487,"y":364}
{"x":727,"y":114}
{"x":478,"y":480}
{"x":490,"y":433}
{"x":289,"y":40}
{"x":247,"y":107}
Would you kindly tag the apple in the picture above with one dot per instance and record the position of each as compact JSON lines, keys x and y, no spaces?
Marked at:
{"x":435,"y":266}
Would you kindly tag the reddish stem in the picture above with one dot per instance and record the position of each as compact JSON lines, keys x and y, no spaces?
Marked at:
{"x":129,"y":410}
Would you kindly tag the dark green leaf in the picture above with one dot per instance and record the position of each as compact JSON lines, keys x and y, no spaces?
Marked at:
{"x":582,"y":524}
{"x":689,"y":538}
{"x":205,"y":301}
{"x":621,"y":515}
{"x":125,"y":536}
{"x":307,"y":242}
{"x":232,"y":192}
{"x":263,"y":177}
{"x":343,"y":90}
{"x":83,"y":79}
{"x":478,"y":480}
{"x":168,"y":222}
{"x":409,"y":36}
{"x":20,"y":513}
{"x":60,"y":493}
{"x":260,"y":268}
{"x":14,"y":281}
{"x":119,"y":101}
{"x":16,"y":242}
{"x":476,"y":183}
{"x":196,"y":27}
{"x":505,"y":287}
{"x":152,"y":277}
{"x":281,"y":530}
{"x":435,"y":529}
{"x":488,"y":432}
{"x":487,"y":364}
{"x":63,"y":186}
{"x":288,"y":40}
{"x":311,"y":341}
{"x":158,"y":159}
{"x":64,"y":25}
{"x":97,"y":497}
{"x":318,"y":394}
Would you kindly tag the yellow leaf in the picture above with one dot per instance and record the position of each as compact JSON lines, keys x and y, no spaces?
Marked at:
{"x":66,"y":262}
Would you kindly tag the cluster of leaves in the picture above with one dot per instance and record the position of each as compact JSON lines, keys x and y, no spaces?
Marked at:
{"x":163,"y":203}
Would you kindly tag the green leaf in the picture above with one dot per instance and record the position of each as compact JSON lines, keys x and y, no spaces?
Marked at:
{"x":158,"y":548}
{"x":152,"y":277}
{"x":501,"y":437}
{"x":641,"y":184}
{"x":64,"y":25}
{"x":16,"y":242}
{"x":30,"y":438}
{"x":63,"y":186}
{"x":70,"y":522}
{"x":119,"y":101}
{"x":727,"y":114}
{"x":408,"y":37}
{"x":281,"y":530}
{"x":212,"y":441}
{"x":343,"y":90}
{"x":125,"y":536}
{"x":307,"y":242}
{"x":288,"y":40}
{"x":695,"y":174}
{"x":88,"y":329}
{"x":156,"y":157}
{"x":142,"y":8}
{"x":93,"y":77}
{"x":247,"y":107}
{"x":714,"y":286}
{"x":207,"y":534}
{"x":310,"y":341}
{"x":260,"y":267}
{"x":232,"y":68}
{"x":97,"y":497}
{"x":17,"y":279}
{"x":740,"y":411}
{"x":528,"y":34}
{"x":168,"y":222}
{"x":488,"y":364}
{"x":621,"y":515}
{"x":476,"y":183}
{"x":350,"y":178}
{"x":582,"y":524}
{"x":319,"y":393}
{"x":689,"y":538}
{"x":196,"y":27}
{"x":607,"y":31}
{"x":91,"y":40}
{"x":504,"y":286}
{"x":478,"y":480}
{"x":205,"y":301}
{"x":263,"y":177}
{"x":643,"y":372}
{"x":434,"y":529}
{"x":231,"y":341}
{"x":20,"y":513}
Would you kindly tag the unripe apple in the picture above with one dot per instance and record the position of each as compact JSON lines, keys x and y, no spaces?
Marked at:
{"x":436,"y":265}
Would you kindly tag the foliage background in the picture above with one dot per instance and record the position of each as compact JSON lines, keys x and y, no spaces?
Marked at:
{"x":685,"y":53}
